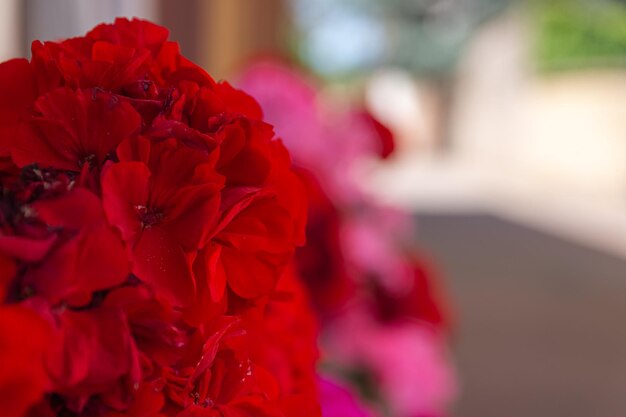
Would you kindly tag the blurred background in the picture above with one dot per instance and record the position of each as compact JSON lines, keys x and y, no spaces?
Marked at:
{"x":510,"y":125}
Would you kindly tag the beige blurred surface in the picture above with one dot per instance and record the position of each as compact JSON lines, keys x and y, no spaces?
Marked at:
{"x":547,"y":150}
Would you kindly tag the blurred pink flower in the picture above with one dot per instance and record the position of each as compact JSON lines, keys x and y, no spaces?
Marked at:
{"x":372,"y":241}
{"x":339,"y":401}
{"x":406,"y":359}
{"x":325,"y":139}
{"x":392,"y":324}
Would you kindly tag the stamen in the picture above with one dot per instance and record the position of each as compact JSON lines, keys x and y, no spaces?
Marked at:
{"x":87,"y":160}
{"x":148,"y":216}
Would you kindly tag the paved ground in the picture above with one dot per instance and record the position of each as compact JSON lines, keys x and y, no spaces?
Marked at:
{"x":542,"y":328}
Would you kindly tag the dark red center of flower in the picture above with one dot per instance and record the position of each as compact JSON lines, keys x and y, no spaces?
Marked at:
{"x":89,"y":160}
{"x":148,"y":216}
{"x":145,"y":84}
{"x":197,"y":400}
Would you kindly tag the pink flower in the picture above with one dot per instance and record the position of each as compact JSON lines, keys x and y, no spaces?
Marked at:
{"x":407,"y":360}
{"x":339,"y":401}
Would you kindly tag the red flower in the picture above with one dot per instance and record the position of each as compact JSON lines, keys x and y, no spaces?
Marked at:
{"x":146,"y":214}
{"x":163,"y":197}
{"x":114,"y":57}
{"x":70,"y":129}
{"x":83,"y":63}
{"x":213,"y":374}
{"x":165,"y":64}
{"x":92,"y":354}
{"x":157,"y":328}
{"x":88,"y":256}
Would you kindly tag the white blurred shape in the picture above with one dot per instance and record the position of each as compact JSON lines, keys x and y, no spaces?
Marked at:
{"x":399,"y":102}
{"x":9,"y":30}
{"x":548,"y":150}
{"x":68,"y":18}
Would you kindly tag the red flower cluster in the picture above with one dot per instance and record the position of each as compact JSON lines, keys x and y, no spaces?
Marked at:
{"x":146,"y":216}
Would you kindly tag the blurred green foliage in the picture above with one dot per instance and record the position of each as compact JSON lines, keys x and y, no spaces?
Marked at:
{"x":573,"y":34}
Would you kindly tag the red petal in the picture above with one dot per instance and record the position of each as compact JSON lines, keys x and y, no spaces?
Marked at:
{"x":249,"y":275}
{"x":17,"y":92}
{"x":194,"y":216}
{"x":124,"y":187}
{"x":76,"y":209}
{"x":245,"y":152}
{"x":217,"y":274}
{"x":26,"y":249}
{"x":94,"y":259}
{"x":23,"y":338}
{"x":17,"y":89}
{"x":161,"y":262}
{"x":93,"y":353}
{"x":238,"y":102}
{"x":8,"y":269}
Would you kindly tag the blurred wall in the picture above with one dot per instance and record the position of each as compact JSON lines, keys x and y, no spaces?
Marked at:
{"x":222,"y":35}
{"x":47,"y":20}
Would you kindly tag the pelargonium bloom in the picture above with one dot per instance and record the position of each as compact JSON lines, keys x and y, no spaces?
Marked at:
{"x":163,"y":197}
{"x":70,"y":129}
{"x":147,"y":215}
